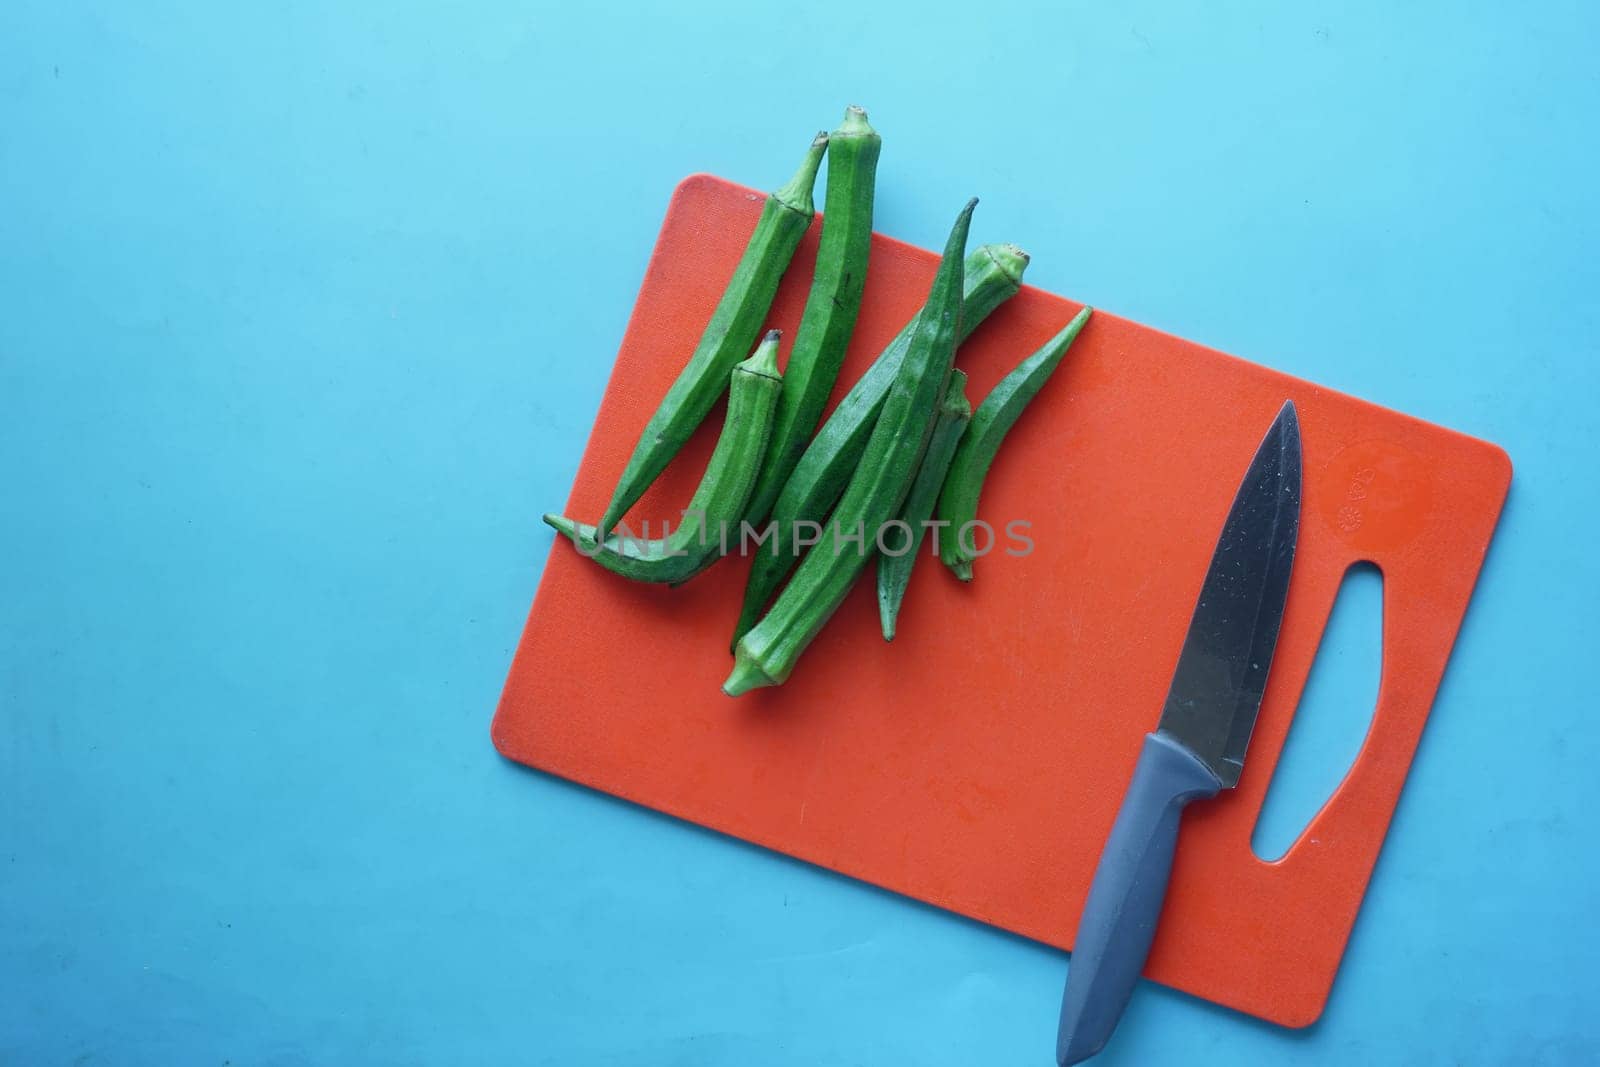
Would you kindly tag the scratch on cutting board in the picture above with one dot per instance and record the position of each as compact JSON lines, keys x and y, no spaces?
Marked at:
{"x":816,"y":765}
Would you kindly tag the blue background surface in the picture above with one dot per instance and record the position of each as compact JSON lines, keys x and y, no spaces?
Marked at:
{"x":305,"y":311}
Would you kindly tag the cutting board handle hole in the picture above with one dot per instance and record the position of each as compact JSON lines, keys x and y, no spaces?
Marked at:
{"x":1333,"y":718}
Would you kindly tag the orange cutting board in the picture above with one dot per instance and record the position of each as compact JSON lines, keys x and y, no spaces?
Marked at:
{"x":978,"y":761}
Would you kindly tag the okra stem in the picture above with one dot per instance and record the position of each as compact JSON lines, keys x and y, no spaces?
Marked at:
{"x":767,"y":654}
{"x":728,"y":336}
{"x":832,"y":306}
{"x":718,"y":501}
{"x":993,"y":274}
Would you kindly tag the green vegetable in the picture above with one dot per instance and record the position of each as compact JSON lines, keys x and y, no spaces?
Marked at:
{"x":993,"y":275}
{"x":718,"y":502}
{"x":830,"y":314}
{"x":767,"y":654}
{"x":894,"y":571}
{"x":958,"y":503}
{"x":728,"y":336}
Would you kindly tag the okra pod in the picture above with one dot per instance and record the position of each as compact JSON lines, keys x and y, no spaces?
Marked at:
{"x":767,"y":654}
{"x":993,"y":274}
{"x":958,"y":502}
{"x":894,"y":571}
{"x":718,"y":502}
{"x":728,"y":336}
{"x":831,"y":308}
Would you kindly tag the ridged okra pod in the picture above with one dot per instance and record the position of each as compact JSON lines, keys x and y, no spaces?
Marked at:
{"x":832,"y":306}
{"x":894,"y":570}
{"x":719,"y":501}
{"x":767,"y":654}
{"x":733,"y":328}
{"x":993,"y":274}
{"x":958,"y":502}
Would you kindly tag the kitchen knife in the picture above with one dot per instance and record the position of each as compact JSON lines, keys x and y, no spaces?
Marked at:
{"x":1198,"y":748}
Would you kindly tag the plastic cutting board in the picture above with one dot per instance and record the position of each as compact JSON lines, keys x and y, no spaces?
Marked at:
{"x":978,"y":761}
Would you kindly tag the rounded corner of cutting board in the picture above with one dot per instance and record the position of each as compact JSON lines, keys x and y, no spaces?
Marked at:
{"x":698,"y":184}
{"x":1505,"y":470}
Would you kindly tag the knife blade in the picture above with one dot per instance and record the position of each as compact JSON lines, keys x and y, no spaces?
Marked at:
{"x":1199,"y":745}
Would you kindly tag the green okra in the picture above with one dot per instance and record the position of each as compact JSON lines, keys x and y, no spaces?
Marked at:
{"x":832,"y":306}
{"x":718,"y":502}
{"x":958,"y":501}
{"x":767,"y":654}
{"x":728,"y":336}
{"x":894,"y":571}
{"x":993,"y":274}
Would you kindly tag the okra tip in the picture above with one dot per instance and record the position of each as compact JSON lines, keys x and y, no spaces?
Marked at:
{"x":962,"y":569}
{"x":957,"y":241}
{"x":562,"y":525}
{"x":1057,"y":346}
{"x":747,"y":675}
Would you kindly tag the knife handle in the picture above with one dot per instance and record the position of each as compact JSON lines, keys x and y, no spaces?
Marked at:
{"x":1119,"y":918}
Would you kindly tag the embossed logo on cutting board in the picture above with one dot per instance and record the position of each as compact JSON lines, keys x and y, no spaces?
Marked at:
{"x":1376,"y":495}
